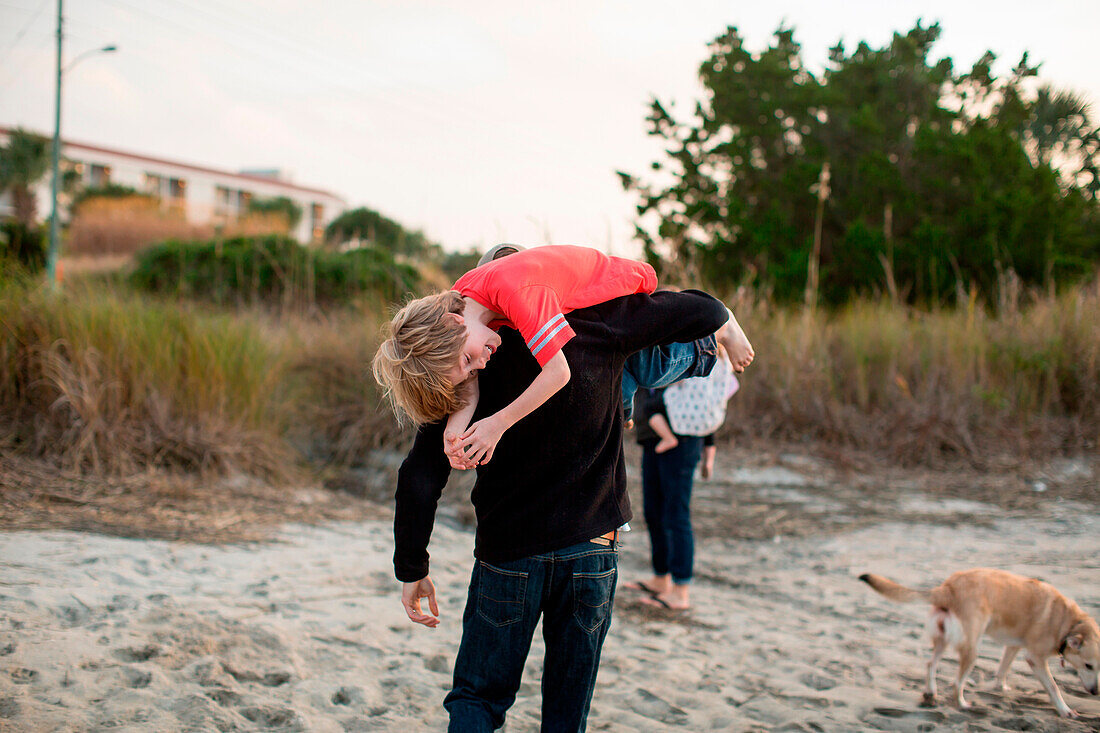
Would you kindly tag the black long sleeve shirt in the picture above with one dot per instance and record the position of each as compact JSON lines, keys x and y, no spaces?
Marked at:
{"x":557,"y":477}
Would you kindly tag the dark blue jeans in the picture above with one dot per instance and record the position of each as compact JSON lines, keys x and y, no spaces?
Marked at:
{"x":667,"y":479}
{"x":660,"y":366}
{"x":573,"y":590}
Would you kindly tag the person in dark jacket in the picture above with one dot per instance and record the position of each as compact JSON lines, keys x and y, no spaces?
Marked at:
{"x":548,"y":506}
{"x":668,"y":475}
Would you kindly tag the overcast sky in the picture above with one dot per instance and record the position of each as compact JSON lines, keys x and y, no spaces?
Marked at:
{"x":477,"y":121}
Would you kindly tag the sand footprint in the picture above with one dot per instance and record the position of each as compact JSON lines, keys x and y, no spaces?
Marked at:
{"x":137,"y":654}
{"x":348,"y":696}
{"x":267,"y":679}
{"x":136,"y":678}
{"x":224,"y":696}
{"x":268,"y":716}
{"x":653,"y":707}
{"x":23,"y":676}
{"x":817,"y":682}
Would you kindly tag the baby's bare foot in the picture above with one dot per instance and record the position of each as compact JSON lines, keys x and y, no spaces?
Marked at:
{"x":666,"y":444}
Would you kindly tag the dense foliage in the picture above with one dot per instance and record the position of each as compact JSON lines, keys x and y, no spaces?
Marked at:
{"x":23,"y":245}
{"x":23,"y":161}
{"x":939,"y":179}
{"x":269,"y":269}
{"x":368,"y":227}
{"x":278,"y":206}
{"x":106,"y":191}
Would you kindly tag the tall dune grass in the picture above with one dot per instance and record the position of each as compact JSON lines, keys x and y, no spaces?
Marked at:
{"x":340,"y":416}
{"x":99,"y":379}
{"x":102,"y":380}
{"x":106,"y":382}
{"x":1018,"y":378}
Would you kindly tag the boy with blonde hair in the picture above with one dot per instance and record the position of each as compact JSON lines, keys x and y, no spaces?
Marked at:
{"x":436,"y":345}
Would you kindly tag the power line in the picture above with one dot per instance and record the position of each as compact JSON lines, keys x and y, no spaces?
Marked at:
{"x":17,"y":69}
{"x":23,"y":32}
{"x":425,"y":104}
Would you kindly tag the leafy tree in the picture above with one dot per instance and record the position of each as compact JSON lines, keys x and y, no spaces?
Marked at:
{"x":23,"y":162}
{"x":279,"y":206}
{"x":371,"y":228}
{"x":457,"y":264}
{"x":270,"y":269}
{"x":1059,"y":131}
{"x":22,"y":244}
{"x":932,"y":182}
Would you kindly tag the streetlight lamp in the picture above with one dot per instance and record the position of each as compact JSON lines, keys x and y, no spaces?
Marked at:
{"x":51,"y":259}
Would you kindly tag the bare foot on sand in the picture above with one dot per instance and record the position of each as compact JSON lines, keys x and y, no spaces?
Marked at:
{"x":674,"y":600}
{"x":654,"y":586}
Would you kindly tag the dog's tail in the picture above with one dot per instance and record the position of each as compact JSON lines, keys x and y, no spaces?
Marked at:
{"x":893,"y":591}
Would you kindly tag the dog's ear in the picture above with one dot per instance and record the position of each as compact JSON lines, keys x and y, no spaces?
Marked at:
{"x":1074,"y":640}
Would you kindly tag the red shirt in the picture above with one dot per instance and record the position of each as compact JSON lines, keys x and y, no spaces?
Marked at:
{"x":534,"y":288}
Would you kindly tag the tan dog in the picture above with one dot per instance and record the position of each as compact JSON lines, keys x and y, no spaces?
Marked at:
{"x":1019,"y":612}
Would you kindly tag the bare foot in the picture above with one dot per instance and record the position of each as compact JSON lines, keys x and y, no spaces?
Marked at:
{"x":675,"y":600}
{"x":665,"y":445}
{"x":736,"y":343}
{"x":655,"y":586}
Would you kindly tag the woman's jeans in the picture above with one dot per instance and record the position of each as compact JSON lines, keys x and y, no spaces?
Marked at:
{"x":573,"y":590}
{"x":667,"y":480}
{"x":660,"y":366}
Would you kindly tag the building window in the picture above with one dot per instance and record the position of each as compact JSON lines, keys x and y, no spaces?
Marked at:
{"x":99,"y":175}
{"x":316,"y":220}
{"x":223,"y":210}
{"x":154,"y":185}
{"x":177,"y":189}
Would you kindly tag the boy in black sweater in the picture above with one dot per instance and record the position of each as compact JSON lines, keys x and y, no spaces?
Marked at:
{"x":556,"y":484}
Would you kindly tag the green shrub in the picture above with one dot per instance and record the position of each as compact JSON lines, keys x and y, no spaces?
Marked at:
{"x":269,"y":270}
{"x":106,"y":191}
{"x":23,"y":244}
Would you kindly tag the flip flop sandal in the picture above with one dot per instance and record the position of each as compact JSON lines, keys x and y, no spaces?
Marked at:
{"x":640,"y":585}
{"x":654,"y":601}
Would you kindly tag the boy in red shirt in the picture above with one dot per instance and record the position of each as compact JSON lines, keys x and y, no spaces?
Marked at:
{"x":428,"y":366}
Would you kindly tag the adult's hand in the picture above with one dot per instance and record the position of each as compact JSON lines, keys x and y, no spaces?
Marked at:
{"x":411,"y":593}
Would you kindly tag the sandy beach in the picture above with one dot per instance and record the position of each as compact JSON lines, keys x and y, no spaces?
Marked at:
{"x":306,"y":633}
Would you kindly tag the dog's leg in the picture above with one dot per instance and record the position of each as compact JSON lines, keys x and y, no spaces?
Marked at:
{"x":939,"y":644}
{"x":967,"y":657}
{"x":1002,"y":672}
{"x":1042,"y":671}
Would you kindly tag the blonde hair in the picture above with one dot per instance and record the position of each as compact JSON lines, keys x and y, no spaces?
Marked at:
{"x":421,"y":347}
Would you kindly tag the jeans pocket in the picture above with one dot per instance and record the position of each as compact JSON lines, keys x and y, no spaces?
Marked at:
{"x":592,"y":593}
{"x":500,"y":594}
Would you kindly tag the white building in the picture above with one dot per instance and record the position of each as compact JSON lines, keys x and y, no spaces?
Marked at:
{"x":205,"y":195}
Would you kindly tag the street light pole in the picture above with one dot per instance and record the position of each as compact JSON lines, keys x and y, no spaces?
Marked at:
{"x":55,"y":245}
{"x":51,"y":259}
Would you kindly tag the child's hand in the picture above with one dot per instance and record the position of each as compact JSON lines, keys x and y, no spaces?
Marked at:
{"x":452,"y":447}
{"x":480,"y":439}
